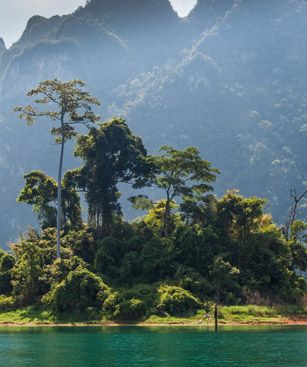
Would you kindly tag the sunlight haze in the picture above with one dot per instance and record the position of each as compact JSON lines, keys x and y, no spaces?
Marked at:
{"x":14,"y":14}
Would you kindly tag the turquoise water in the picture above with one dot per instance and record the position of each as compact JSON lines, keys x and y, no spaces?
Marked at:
{"x":167,"y":347}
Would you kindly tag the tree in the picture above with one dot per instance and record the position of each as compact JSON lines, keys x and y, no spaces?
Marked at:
{"x":296,"y":200}
{"x":224,"y":276}
{"x":40,"y":191}
{"x":239,"y":216}
{"x":28,"y":269}
{"x":7,"y":263}
{"x":155,"y":217}
{"x":181,"y":173}
{"x":72,"y":106}
{"x":176,"y":301}
{"x":199,"y":210}
{"x":78,"y":292}
{"x":112,"y":155}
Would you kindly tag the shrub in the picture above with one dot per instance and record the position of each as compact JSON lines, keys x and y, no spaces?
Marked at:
{"x":155,"y":260}
{"x":6,"y":264}
{"x":108,"y":257}
{"x":7,"y":261}
{"x":26,"y":274}
{"x":7,"y":303}
{"x":195,"y":283}
{"x":143,"y":292}
{"x":59,"y":270}
{"x":81,"y":243}
{"x":225,"y":278}
{"x":111,"y":303}
{"x":132,"y":309}
{"x":78,"y":292}
{"x":35,"y":255}
{"x":176,"y":301}
{"x":133,"y":305}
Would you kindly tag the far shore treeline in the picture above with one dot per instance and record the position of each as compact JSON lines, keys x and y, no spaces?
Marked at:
{"x":186,"y":250}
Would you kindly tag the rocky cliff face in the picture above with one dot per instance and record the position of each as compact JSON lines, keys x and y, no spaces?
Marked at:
{"x":2,"y":46}
{"x":230,"y":79}
{"x":127,"y":14}
{"x":106,"y":40}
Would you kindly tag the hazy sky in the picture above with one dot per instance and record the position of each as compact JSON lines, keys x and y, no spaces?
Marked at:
{"x":14,"y":14}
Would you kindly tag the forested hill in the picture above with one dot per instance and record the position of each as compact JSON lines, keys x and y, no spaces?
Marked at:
{"x":229,"y":79}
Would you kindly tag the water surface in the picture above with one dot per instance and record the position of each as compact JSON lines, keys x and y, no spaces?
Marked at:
{"x":165,"y":347}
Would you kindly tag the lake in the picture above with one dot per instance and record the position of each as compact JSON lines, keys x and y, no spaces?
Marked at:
{"x":158,"y":346}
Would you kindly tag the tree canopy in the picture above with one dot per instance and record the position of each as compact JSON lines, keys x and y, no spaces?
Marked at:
{"x":183,"y":174}
{"x":188,"y":249}
{"x":112,"y":154}
{"x":40,"y":191}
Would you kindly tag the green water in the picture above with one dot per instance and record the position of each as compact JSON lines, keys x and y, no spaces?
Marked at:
{"x":167,"y":347}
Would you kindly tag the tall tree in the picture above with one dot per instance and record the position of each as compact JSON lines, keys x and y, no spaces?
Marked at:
{"x":183,"y":174}
{"x":112,"y":155}
{"x":67,"y":104}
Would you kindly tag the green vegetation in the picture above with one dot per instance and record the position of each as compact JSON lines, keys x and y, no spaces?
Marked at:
{"x":189,"y":250}
{"x":79,"y":291}
{"x":177,"y":301}
{"x":228,"y":315}
{"x":248,"y":314}
{"x":70,"y":106}
{"x":243,"y":106}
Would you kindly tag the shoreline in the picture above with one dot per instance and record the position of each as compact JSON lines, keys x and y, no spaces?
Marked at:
{"x":229,"y":316}
{"x":256,"y":323}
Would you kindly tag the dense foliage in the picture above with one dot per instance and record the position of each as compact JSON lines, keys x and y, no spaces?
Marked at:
{"x":189,"y":247}
{"x":229,"y":79}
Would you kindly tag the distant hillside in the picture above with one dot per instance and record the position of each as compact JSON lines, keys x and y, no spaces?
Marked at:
{"x":230,"y":79}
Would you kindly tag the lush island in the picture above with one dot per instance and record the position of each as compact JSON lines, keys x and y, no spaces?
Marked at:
{"x":187,"y":250}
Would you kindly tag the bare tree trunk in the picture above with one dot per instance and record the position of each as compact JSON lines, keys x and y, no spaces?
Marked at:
{"x":166,"y":216}
{"x":287,"y":227}
{"x":59,"y":211}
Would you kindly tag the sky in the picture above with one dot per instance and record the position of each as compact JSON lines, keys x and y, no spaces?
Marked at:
{"x":14,"y":14}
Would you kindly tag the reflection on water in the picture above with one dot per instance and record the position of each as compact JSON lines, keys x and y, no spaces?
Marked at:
{"x":165,"y":347}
